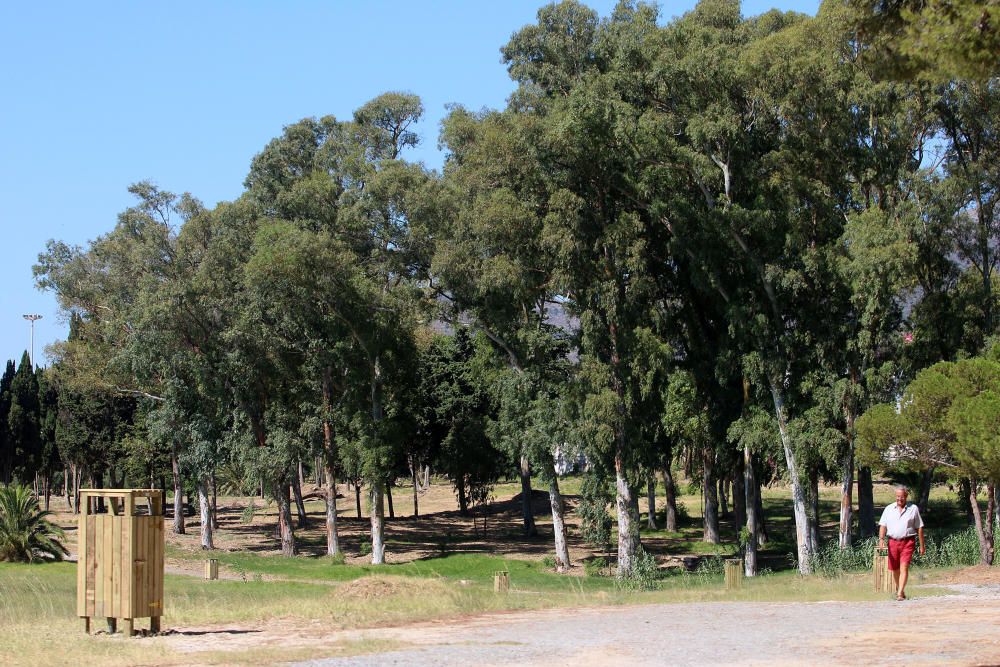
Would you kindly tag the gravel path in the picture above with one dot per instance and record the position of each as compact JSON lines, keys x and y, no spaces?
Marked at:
{"x":962,"y":628}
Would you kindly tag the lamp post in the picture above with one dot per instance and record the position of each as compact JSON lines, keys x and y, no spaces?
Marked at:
{"x":32,"y":319}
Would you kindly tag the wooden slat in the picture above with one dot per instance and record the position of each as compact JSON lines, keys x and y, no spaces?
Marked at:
{"x":140,"y":570}
{"x":159,"y":564}
{"x":127,"y":566}
{"x":91,"y":585}
{"x":116,"y":570}
{"x":81,"y":566}
{"x":99,"y":566}
{"x":109,"y":564}
{"x":151,"y":570}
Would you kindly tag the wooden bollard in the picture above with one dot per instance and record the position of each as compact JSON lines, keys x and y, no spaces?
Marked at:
{"x":734,"y":573}
{"x":501,"y":582}
{"x":212,"y":568}
{"x":881,"y":575}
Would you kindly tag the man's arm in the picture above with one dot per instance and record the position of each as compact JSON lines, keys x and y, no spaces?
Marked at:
{"x":881,"y":536}
{"x":920,"y":535}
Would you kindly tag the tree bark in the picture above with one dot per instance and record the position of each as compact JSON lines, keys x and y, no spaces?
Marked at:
{"x":814,"y":509}
{"x":215,"y":503}
{"x":427,"y":476}
{"x":288,"y":546}
{"x":866,"y":503}
{"x":559,"y":524}
{"x":416,"y":505}
{"x":651,"y":501}
{"x":330,"y":455}
{"x":300,"y":506}
{"x":357,"y":497}
{"x":926,"y":482}
{"x":332,"y":534}
{"x":670,"y":520}
{"x":388,"y":497}
{"x":752,"y":490}
{"x":378,"y":524}
{"x":739,"y":496}
{"x":628,"y":524}
{"x":526,"y":509}
{"x":175,"y":467}
{"x":965,"y":488}
{"x":710,"y":531}
{"x":204,"y":506}
{"x":846,"y":492}
{"x":984,"y":529}
{"x":802,"y":528}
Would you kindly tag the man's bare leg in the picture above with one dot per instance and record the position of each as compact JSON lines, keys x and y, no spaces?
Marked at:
{"x":901,"y":577}
{"x":895,"y":579}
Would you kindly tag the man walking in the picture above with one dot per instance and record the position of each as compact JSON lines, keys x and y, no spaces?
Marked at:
{"x":902,"y":522}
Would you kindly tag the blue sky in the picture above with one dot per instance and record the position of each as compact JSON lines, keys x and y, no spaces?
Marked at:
{"x":98,"y":95}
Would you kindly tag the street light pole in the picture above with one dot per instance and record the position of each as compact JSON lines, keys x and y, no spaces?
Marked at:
{"x":32,"y":319}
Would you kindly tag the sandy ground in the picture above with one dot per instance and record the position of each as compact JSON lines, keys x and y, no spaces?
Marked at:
{"x":959,"y":628}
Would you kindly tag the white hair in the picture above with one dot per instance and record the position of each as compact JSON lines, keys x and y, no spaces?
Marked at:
{"x":904,"y":489}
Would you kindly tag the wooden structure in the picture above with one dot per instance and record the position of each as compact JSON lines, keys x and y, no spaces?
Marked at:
{"x":734,"y":573}
{"x":212,"y":568}
{"x":501,"y":582}
{"x":882,"y":576}
{"x":120,"y":565}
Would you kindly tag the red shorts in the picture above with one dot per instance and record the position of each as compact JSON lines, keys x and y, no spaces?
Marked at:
{"x":901,"y":551}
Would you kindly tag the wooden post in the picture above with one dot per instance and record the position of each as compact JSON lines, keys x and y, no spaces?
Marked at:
{"x":501,"y":582}
{"x":212,"y":568}
{"x":129,"y":627}
{"x":881,"y":575}
{"x":734,"y":573}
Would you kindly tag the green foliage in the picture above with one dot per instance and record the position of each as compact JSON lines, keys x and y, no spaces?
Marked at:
{"x":595,"y":499}
{"x":26,"y":534}
{"x":644,"y":576}
{"x":956,"y":549}
{"x":596,"y":567}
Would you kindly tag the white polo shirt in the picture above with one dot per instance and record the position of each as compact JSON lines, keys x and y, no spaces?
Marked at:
{"x":899,"y":524}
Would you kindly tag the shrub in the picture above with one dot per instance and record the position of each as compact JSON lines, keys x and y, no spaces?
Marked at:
{"x":26,"y":534}
{"x":595,"y":522}
{"x":549,"y":562}
{"x":596,"y":567}
{"x":339,"y":558}
{"x":644,"y":576}
{"x":365,"y":548}
{"x":955,"y":549}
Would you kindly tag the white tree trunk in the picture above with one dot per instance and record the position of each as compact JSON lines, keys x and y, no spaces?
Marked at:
{"x":377,"y":512}
{"x":332,"y":535}
{"x":175,"y":467}
{"x":206,"y":513}
{"x":628,"y":523}
{"x":802,"y":530}
{"x":750,"y":489}
{"x":651,"y":501}
{"x":846,"y":496}
{"x":559,"y":525}
{"x":527,"y":510}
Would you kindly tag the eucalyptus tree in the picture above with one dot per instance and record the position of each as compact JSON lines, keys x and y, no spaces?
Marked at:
{"x":341,"y":190}
{"x":576,"y":83}
{"x":495,"y":273}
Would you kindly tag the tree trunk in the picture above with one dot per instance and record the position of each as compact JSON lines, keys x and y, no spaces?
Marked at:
{"x":846,"y":492}
{"x":723,"y":498}
{"x":651,"y":500}
{"x":752,"y":490}
{"x":215,"y":502}
{"x":388,"y":497}
{"x":984,"y":529}
{"x":175,"y":467}
{"x":330,"y":454}
{"x":300,"y":506}
{"x":710,"y":531}
{"x":965,"y":488}
{"x":357,"y":497}
{"x":670,"y":520}
{"x":332,"y":535}
{"x":739,"y":497}
{"x":526,"y":509}
{"x":463,"y":500}
{"x":416,"y":505}
{"x":926,"y":482}
{"x":77,"y":476}
{"x":814,"y":509}
{"x":46,"y":481}
{"x":68,"y":488}
{"x":866,"y":503}
{"x":378,"y":524}
{"x":427,"y":476}
{"x":628,"y":524}
{"x":204,"y":506}
{"x":802,"y":528}
{"x":559,"y":524}
{"x":288,"y":546}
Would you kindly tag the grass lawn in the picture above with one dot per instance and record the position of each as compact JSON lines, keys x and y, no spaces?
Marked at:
{"x":38,"y":625}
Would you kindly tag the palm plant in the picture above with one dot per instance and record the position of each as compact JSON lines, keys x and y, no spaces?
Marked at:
{"x":26,"y":534}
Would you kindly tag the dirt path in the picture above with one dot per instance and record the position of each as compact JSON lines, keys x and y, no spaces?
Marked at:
{"x":961,"y":628}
